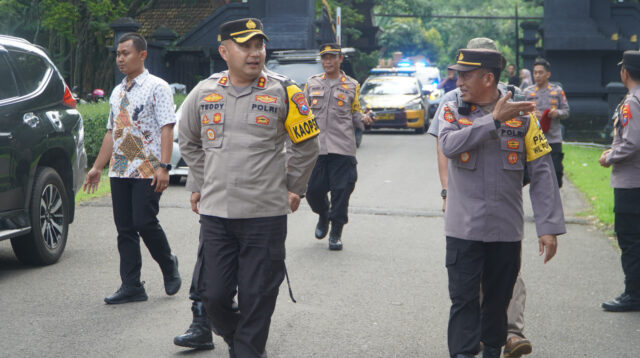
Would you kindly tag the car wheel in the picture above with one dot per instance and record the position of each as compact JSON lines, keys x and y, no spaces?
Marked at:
{"x":49,"y":214}
{"x":175,"y":179}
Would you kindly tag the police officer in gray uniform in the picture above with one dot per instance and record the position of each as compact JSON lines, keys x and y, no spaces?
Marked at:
{"x":334,"y":99}
{"x":487,"y":149}
{"x":624,"y":156}
{"x":551,"y":108}
{"x":517,"y":343}
{"x":232,"y":136}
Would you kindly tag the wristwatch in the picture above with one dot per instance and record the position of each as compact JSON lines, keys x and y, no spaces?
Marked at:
{"x":166,"y":166}
{"x":443,"y":193}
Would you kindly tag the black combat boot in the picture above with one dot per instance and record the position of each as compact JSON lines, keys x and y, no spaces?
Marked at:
{"x":322,"y":227}
{"x":335,"y":242}
{"x":198,"y":336}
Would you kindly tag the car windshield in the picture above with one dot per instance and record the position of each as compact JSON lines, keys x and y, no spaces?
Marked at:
{"x":298,"y":72}
{"x":390,"y":85}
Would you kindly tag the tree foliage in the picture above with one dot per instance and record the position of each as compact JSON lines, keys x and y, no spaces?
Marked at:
{"x":75,"y":32}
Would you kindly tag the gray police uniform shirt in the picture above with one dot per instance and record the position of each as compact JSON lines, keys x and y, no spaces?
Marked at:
{"x":486,"y":168}
{"x":234,"y":142}
{"x":434,"y":126}
{"x":550,"y":97}
{"x":625,"y":149}
{"x":336,"y":107}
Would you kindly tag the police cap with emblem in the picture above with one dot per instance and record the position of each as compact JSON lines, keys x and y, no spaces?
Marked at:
{"x":332,"y":48}
{"x":241,"y":30}
{"x":473,"y":59}
{"x":631,"y":60}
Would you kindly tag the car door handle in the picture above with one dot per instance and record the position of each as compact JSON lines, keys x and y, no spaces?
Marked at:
{"x":30,"y":119}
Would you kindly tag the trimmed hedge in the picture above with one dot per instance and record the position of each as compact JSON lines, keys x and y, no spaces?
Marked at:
{"x":95,"y":116}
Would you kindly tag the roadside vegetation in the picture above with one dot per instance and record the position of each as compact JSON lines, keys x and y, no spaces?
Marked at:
{"x":582,"y":168}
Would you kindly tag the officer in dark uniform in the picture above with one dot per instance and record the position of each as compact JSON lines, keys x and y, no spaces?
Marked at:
{"x":624,"y":156}
{"x":334,"y":99}
{"x":243,"y":184}
{"x":487,"y":148}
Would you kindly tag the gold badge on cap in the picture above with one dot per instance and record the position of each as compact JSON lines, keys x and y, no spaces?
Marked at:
{"x":251,"y":25}
{"x":461,"y":56}
{"x":327,"y":48}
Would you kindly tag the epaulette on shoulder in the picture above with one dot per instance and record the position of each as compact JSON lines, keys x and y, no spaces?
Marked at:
{"x":276,"y":76}
{"x":217,"y":75}
{"x":353,"y":80}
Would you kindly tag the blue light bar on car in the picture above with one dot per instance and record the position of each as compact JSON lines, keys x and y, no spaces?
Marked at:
{"x":392,"y":70}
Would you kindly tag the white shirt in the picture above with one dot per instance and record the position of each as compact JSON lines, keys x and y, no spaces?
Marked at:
{"x":136,"y":120}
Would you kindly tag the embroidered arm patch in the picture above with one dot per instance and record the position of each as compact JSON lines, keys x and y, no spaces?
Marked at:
{"x":535,"y":141}
{"x":300,"y":123}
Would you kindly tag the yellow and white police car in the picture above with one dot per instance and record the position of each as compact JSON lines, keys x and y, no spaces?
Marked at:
{"x":395,"y":97}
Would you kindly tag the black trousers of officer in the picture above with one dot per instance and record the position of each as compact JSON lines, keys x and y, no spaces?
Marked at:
{"x":244,"y":256}
{"x":135,"y":210}
{"x":627,"y":227}
{"x":556,"y":156}
{"x":494,"y":266}
{"x":337,"y":174}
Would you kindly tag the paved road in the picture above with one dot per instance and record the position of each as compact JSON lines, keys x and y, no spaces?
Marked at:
{"x":385,"y":295}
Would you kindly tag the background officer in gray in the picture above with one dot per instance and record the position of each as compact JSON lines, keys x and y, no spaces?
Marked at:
{"x":334,"y":99}
{"x":551,"y":108}
{"x":484,"y":219}
{"x":517,"y":343}
{"x":232,"y":135}
{"x":624,"y":156}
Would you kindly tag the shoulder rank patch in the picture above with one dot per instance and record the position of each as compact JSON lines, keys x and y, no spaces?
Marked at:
{"x":464,"y":157}
{"x":223,"y":80}
{"x":513,"y":144}
{"x":535,"y":142}
{"x":626,"y":114}
{"x":448,"y":116}
{"x":211,"y":134}
{"x":512,"y":158}
{"x":265,"y":98}
{"x":301,"y":103}
{"x":343,"y":79}
{"x":263,"y":120}
{"x":473,"y":108}
{"x":214,"y":97}
{"x":261,"y":82}
{"x":217,"y":118}
{"x":345,"y":86}
{"x":465,"y":121}
{"x":514,"y":123}
{"x":205,"y":119}
{"x":300,"y":123}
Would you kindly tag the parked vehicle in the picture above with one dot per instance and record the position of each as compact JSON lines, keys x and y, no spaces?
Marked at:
{"x":396,"y":99}
{"x":42,"y":157}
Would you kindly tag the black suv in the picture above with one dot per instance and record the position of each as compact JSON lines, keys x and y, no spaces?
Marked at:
{"x":42,"y":156}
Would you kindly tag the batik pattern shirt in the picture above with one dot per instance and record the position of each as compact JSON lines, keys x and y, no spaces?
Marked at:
{"x":136,"y":119}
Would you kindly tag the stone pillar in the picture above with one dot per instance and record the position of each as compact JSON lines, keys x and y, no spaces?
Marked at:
{"x":529,"y":40}
{"x":120,"y":27}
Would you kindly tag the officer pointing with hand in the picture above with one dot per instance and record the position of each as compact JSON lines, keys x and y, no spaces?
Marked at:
{"x":487,"y":148}
{"x":232,"y":135}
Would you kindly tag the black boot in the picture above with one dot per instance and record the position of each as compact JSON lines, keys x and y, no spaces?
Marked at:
{"x":322,"y":227}
{"x":127,"y":293}
{"x":491,"y":352}
{"x":335,"y":241}
{"x":198,"y":336}
{"x":172,"y":280}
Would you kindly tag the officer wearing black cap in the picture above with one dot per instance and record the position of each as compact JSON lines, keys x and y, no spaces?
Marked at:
{"x":232,"y":136}
{"x":334,"y":99}
{"x":487,"y":148}
{"x":624,"y":157}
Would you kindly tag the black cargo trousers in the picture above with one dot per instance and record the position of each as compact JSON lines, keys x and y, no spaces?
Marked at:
{"x":337,"y":174}
{"x":627,"y":227}
{"x":243,"y":256}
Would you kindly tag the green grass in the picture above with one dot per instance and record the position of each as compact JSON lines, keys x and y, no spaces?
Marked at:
{"x":582,"y":168}
{"x":104,"y":188}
